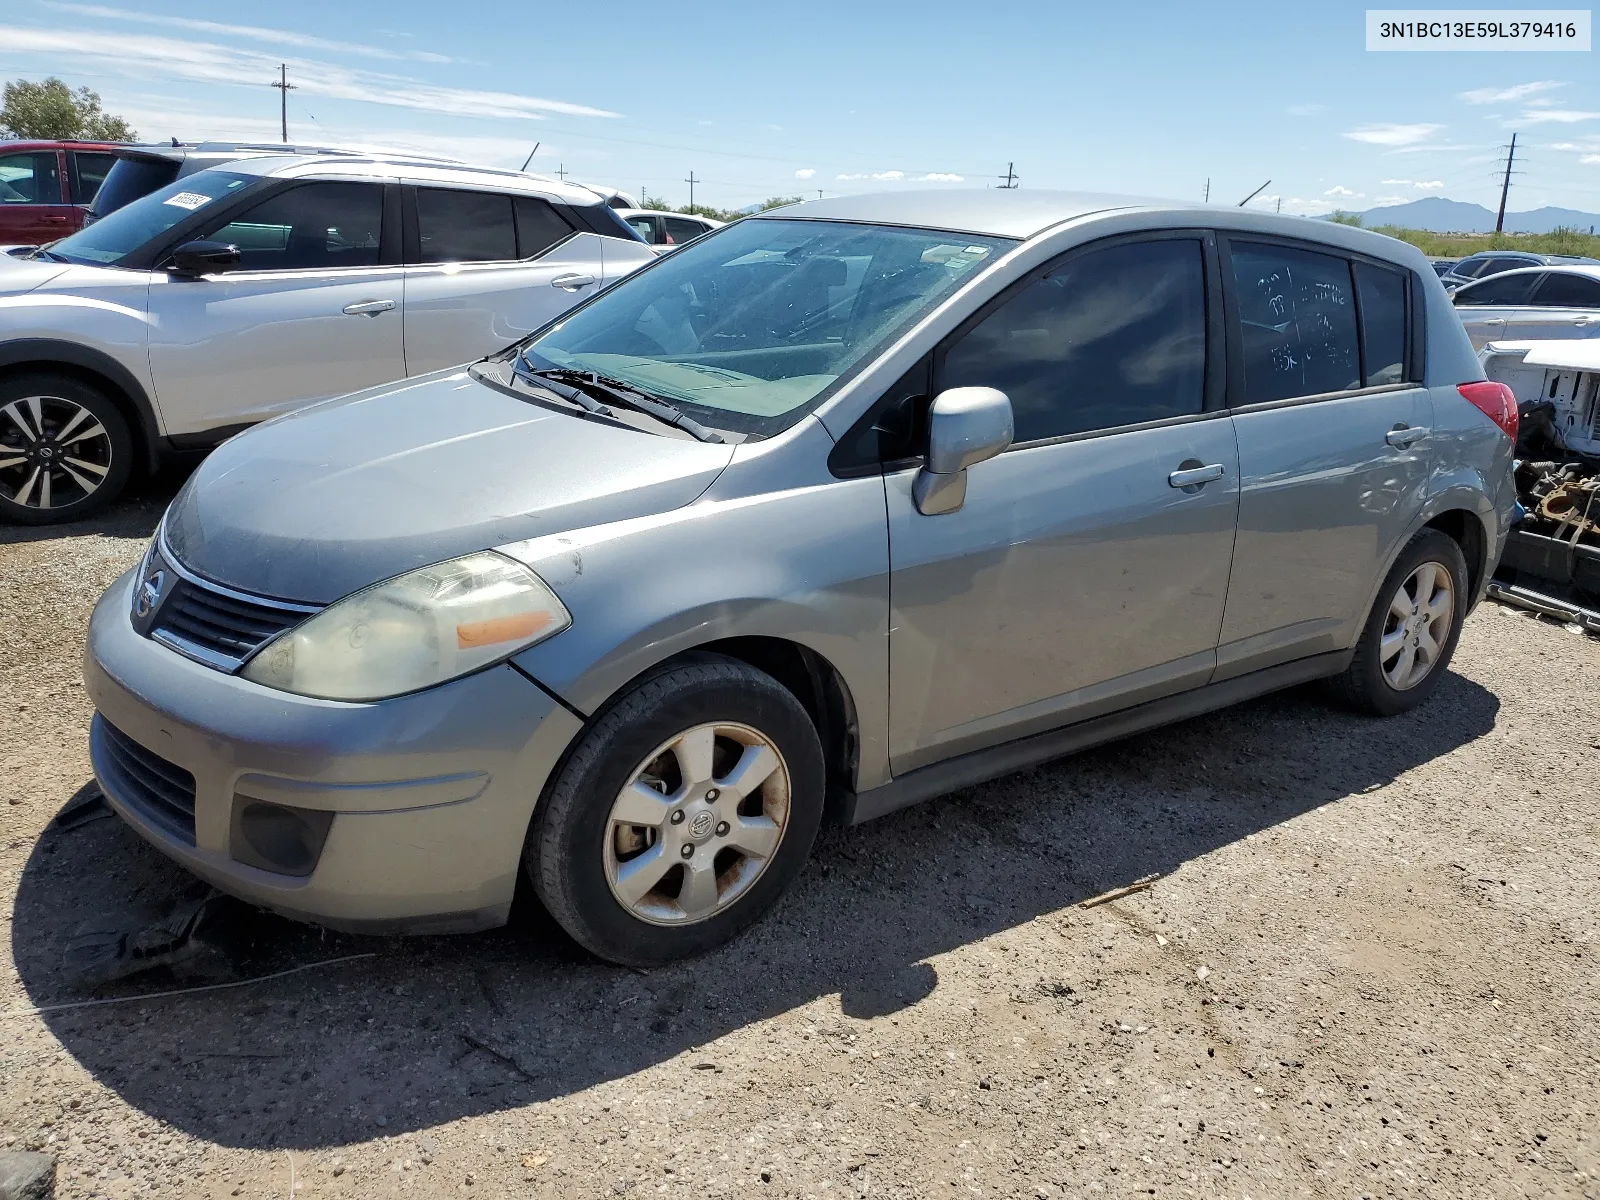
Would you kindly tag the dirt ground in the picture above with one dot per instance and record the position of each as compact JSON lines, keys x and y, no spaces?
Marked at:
{"x":1368,"y":968}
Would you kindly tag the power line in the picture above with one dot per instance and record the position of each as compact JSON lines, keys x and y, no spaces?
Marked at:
{"x":284,"y":88}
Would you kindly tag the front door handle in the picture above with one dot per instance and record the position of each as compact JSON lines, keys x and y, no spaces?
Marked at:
{"x":1195,"y":476}
{"x":572,"y":281}
{"x":1402,"y":436}
{"x":368,"y":308}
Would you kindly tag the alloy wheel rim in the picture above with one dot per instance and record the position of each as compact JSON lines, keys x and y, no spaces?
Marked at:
{"x":1417,"y":626}
{"x":53,"y":452}
{"x":697,"y":824}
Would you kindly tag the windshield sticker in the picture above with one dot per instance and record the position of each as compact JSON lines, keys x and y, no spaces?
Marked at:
{"x":956,"y":258}
{"x":188,"y":200}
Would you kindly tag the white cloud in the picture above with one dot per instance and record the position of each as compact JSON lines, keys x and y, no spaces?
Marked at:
{"x":880,"y":176}
{"x":1306,"y":110}
{"x":1393,"y":135}
{"x":1340,"y":190}
{"x":805,"y":172}
{"x":1430,"y":185}
{"x":1590,"y":158}
{"x":141,"y":57}
{"x":940,"y":177}
{"x":1386,"y":201}
{"x":281,"y":37}
{"x":1396,"y":182}
{"x":1566,"y":116}
{"x":1490,"y":95}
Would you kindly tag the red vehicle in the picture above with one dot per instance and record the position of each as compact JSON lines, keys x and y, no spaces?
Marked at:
{"x":46,"y":187}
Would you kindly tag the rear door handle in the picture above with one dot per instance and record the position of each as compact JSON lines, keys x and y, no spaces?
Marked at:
{"x":572,"y":281}
{"x":368,"y":308}
{"x":1404,"y":436}
{"x":1194,"y":476}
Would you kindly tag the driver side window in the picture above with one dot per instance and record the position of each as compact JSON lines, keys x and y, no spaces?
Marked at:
{"x":315,"y":225}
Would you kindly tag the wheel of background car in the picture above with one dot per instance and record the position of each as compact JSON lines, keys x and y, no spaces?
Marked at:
{"x":1411,"y":633}
{"x":65,"y":449}
{"x":682,"y":814}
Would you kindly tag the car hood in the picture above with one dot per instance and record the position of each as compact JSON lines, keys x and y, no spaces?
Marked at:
{"x":320,"y":503}
{"x":21,"y":275}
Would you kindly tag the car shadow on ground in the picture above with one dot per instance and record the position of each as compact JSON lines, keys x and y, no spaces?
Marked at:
{"x":431,"y":1030}
{"x":134,"y":515}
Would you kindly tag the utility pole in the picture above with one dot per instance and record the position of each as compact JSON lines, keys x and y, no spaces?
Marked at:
{"x":1207,"y":200}
{"x":1511,"y":154}
{"x":1010,"y":177}
{"x":561,"y":172}
{"x":1280,"y":205}
{"x":284,"y":87}
{"x":819,"y":197}
{"x":691,"y":181}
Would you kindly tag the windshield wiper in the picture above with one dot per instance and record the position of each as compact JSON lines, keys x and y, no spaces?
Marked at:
{"x":629,"y":396}
{"x":566,"y":391}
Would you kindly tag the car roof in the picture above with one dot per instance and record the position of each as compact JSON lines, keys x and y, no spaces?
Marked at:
{"x":178,"y":151}
{"x":17,"y":145}
{"x":398,"y":166}
{"x":1586,"y":270}
{"x":1023,"y":213}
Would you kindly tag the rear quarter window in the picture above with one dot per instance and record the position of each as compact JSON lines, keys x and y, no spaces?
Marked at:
{"x":1297,"y":319}
{"x":1383,"y":322}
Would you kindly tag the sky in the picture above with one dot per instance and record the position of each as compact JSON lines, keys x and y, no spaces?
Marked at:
{"x":869,"y":95}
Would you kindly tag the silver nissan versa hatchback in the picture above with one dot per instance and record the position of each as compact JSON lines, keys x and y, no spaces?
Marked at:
{"x":831,"y":511}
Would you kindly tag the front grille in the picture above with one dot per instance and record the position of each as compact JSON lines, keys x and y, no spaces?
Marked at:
{"x":160,"y":791}
{"x":226,"y":625}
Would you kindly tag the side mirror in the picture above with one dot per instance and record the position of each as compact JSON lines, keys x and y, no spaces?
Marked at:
{"x":203,"y":258}
{"x":965,"y":426}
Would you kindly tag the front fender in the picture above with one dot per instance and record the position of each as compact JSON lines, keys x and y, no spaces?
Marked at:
{"x":808,"y":565}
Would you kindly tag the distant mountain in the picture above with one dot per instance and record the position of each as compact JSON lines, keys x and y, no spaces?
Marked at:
{"x":1438,"y":215}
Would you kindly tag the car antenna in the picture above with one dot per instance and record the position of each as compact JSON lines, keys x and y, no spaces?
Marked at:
{"x":529,"y":159}
{"x":1254,"y":194}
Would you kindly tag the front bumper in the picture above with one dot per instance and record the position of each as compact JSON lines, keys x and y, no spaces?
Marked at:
{"x":431,"y":793}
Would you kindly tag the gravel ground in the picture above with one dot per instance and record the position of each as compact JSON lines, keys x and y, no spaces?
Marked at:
{"x":1367,"y":968}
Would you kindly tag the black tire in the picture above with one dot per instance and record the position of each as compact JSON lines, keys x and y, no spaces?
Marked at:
{"x":40,"y":468}
{"x":566,"y":846}
{"x":1363,"y":686}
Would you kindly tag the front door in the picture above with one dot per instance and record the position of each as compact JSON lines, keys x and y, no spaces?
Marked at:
{"x":1333,"y":431}
{"x":487,"y":269}
{"x":310,"y":313}
{"x":1081,"y":574}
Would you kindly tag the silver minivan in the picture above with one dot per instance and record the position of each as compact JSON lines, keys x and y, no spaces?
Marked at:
{"x":833,"y":510}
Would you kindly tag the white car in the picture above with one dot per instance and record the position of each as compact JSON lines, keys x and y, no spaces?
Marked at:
{"x":666,"y":231}
{"x":244,"y":291}
{"x":1531,"y":304}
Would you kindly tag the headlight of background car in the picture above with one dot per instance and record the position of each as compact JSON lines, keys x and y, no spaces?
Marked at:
{"x":414,"y":631}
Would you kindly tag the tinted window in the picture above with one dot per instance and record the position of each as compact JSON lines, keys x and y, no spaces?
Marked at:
{"x":538,"y":226}
{"x":136,"y":225}
{"x":1560,"y":290}
{"x":465,"y":226}
{"x":645,"y":227}
{"x":92,"y":171}
{"x":1111,"y":337}
{"x":680,"y":231}
{"x":1495,"y":265}
{"x":1470,"y":267}
{"x":315,"y":225}
{"x":1383,"y":322}
{"x":130,"y":178}
{"x":1507,"y":289}
{"x":30,"y":179}
{"x":1297,"y":321}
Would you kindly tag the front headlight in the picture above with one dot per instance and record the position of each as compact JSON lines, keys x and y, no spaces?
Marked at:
{"x":414,"y":631}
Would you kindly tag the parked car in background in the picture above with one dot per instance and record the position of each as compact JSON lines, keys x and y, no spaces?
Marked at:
{"x":46,"y":187}
{"x":244,"y":291}
{"x":142,"y":168}
{"x":1492,"y":262}
{"x":852,"y":504}
{"x":1441,"y":266}
{"x":1525,"y":304}
{"x":667,"y":230}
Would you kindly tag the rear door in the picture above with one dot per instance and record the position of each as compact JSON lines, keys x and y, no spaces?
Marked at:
{"x":1564,"y":304}
{"x":313,"y":311}
{"x":34,"y":207}
{"x":1487,"y":307}
{"x":485,"y":269}
{"x":1333,"y":422}
{"x":1080,"y":575}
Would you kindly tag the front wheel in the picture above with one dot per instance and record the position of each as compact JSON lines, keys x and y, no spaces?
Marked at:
{"x":1411,"y":633}
{"x":65,"y":449}
{"x":682,"y":815}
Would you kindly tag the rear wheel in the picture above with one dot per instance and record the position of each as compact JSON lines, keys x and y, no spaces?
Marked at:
{"x":683,"y":814}
{"x":1411,"y":633}
{"x":65,"y":449}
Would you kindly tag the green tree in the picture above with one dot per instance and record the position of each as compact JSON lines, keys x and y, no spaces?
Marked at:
{"x":1340,"y":217}
{"x":53,"y":110}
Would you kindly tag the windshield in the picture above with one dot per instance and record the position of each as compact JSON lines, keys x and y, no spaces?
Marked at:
{"x":119,"y":234}
{"x":749,"y":329}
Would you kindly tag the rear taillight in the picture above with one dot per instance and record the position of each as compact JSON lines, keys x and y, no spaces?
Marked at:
{"x":1495,"y":401}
